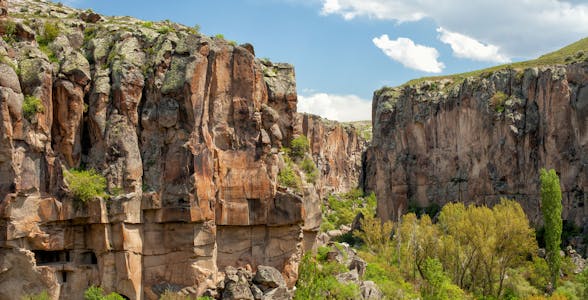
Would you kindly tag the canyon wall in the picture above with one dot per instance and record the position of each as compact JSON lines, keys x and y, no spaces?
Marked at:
{"x":482,"y":139}
{"x":187,"y":131}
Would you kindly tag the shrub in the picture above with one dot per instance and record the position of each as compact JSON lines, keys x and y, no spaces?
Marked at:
{"x":41,"y":296}
{"x":288,"y":177}
{"x":195,"y":29}
{"x":309,"y":169}
{"x":31,"y":106}
{"x":299,"y":146}
{"x":96,"y":293}
{"x":164,"y":30}
{"x":147,"y":24}
{"x":9,"y":31}
{"x":50,"y":33}
{"x":320,"y":283}
{"x":50,"y":54}
{"x":498,"y":100}
{"x":220,"y":36}
{"x":342,"y":208}
{"x":85,"y":184}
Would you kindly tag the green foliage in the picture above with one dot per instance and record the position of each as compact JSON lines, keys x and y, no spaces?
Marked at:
{"x":551,"y":208}
{"x":31,"y":106}
{"x":165,"y":29}
{"x":375,"y":234}
{"x":342,"y":208}
{"x":96,"y":293}
{"x":309,"y":169}
{"x":40,"y":296}
{"x":233,"y":43}
{"x":50,"y":33}
{"x":316,"y":282}
{"x":195,"y":29}
{"x":147,"y":24}
{"x":85,"y":184}
{"x":219,"y":36}
{"x":439,"y":286}
{"x":288,"y":176}
{"x":298,"y":147}
{"x":498,"y":100}
{"x":9,"y":35}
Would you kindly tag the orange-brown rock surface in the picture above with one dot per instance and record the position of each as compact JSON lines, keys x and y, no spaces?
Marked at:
{"x":187,"y":130}
{"x":483,"y":139}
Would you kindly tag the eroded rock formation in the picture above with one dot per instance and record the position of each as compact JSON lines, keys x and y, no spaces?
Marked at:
{"x":483,"y":139}
{"x":187,"y":131}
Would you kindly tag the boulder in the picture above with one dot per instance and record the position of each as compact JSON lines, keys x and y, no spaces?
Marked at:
{"x":268,"y":277}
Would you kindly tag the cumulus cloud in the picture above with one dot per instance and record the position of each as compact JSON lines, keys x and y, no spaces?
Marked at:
{"x":342,"y":108}
{"x":409,"y":54}
{"x":466,"y":47}
{"x":520,"y":28}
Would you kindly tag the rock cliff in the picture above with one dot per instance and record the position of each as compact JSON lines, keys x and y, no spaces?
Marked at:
{"x":476,"y":141}
{"x":187,"y":131}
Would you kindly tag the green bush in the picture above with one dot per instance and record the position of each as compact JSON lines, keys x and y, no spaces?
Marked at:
{"x":342,"y":208}
{"x":50,"y":33}
{"x":9,"y":31}
{"x":164,"y":30}
{"x":85,"y":184}
{"x":288,"y":177}
{"x":31,"y":106}
{"x":309,"y":169}
{"x":498,"y":100}
{"x":219,"y":36}
{"x":147,"y":24}
{"x":41,"y":296}
{"x":316,"y":282}
{"x":96,"y":293}
{"x":299,"y":146}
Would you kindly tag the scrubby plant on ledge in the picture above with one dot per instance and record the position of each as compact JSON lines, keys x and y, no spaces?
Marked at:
{"x":31,"y":106}
{"x":85,"y":184}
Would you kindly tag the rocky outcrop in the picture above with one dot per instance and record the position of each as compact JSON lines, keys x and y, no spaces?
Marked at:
{"x":483,"y":139}
{"x":187,"y":130}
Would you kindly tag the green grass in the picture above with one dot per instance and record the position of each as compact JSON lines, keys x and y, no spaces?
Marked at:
{"x":577,"y":51}
{"x":50,"y":33}
{"x":288,"y":176}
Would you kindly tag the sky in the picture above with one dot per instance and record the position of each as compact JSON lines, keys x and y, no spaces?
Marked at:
{"x":344,"y":50}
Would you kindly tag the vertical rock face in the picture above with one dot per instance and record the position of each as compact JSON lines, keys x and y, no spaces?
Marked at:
{"x":186,"y":130}
{"x":436,"y":142}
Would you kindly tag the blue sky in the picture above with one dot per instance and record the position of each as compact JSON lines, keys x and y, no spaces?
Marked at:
{"x":343,"y":50}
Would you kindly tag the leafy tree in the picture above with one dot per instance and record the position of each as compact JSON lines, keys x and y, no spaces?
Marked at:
{"x":41,"y":296}
{"x":375,"y":234}
{"x":96,"y":293}
{"x":551,"y":207}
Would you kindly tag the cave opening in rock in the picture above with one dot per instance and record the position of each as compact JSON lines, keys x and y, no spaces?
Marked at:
{"x":51,"y":257}
{"x":89,"y":258}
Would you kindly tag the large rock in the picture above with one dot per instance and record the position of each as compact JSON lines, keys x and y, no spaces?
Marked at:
{"x":268,"y":277}
{"x":481,"y":140}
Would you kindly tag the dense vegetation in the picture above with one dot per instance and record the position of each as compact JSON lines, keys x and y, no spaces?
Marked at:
{"x":469,"y":252}
{"x":296,"y":157}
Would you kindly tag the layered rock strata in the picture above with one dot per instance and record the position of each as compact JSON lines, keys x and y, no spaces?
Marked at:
{"x":186,"y":130}
{"x":480,"y":140}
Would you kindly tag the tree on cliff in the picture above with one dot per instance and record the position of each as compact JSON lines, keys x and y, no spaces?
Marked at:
{"x":551,"y":207}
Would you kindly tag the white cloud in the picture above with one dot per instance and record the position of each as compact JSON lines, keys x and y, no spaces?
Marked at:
{"x":520,"y":28}
{"x":466,"y":47}
{"x":342,"y":108}
{"x":409,"y":54}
